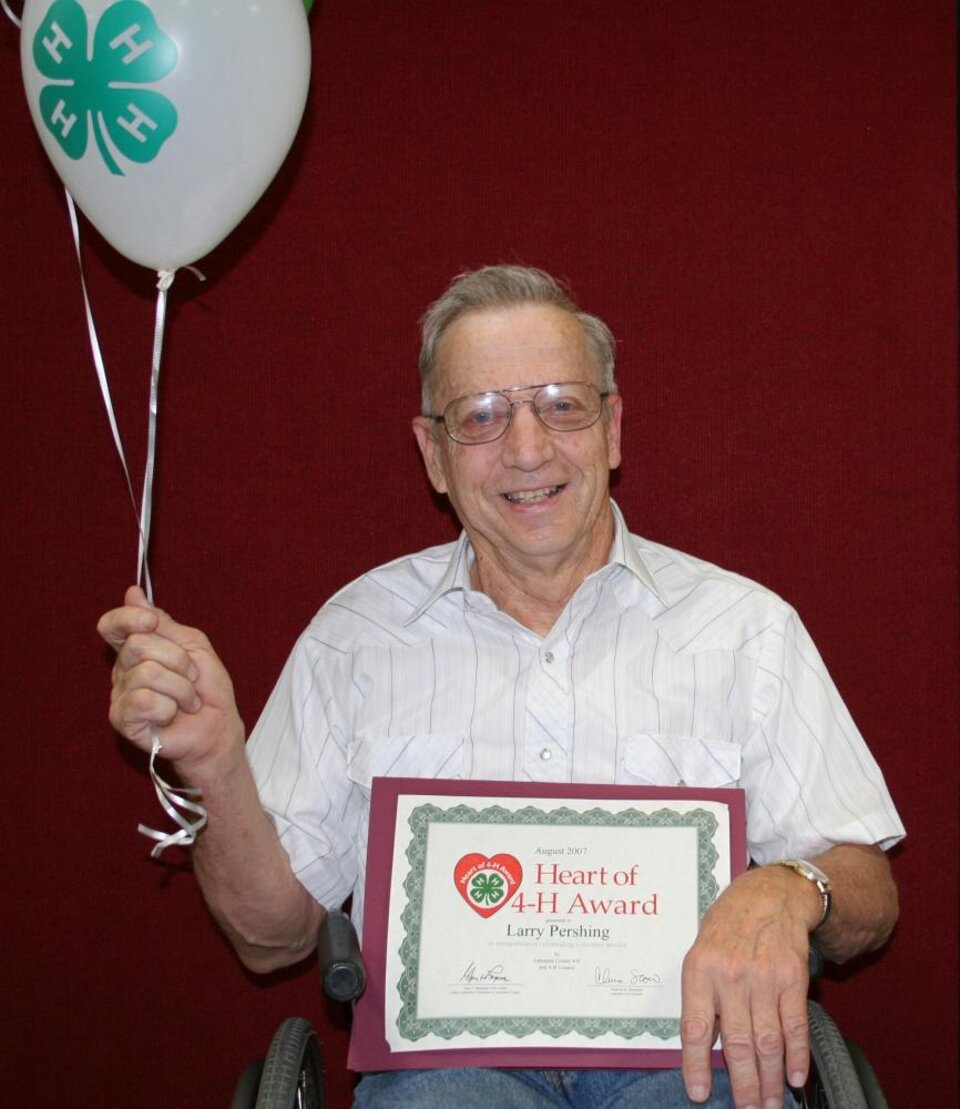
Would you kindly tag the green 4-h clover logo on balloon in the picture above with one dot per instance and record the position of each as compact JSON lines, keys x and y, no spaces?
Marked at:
{"x":165,"y":119}
{"x":102,"y":92}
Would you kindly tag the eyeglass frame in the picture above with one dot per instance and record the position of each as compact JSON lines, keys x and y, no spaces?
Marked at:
{"x":441,"y":418}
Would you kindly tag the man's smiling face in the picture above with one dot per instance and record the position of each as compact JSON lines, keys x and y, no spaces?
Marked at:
{"x":535,"y":500}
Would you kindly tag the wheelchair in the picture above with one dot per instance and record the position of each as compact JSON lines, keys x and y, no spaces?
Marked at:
{"x":291,"y":1076}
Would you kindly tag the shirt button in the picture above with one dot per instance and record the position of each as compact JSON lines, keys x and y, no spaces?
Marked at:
{"x":548,"y":656}
{"x":546,"y":754}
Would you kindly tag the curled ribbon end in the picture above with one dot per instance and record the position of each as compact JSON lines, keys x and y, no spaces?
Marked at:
{"x":171,"y":799}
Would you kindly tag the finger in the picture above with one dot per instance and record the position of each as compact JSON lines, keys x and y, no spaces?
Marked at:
{"x":697,"y":1033}
{"x":138,"y":713}
{"x":165,"y":683}
{"x":119,"y":623}
{"x":796,"y":1034}
{"x":737,"y":1038}
{"x":136,"y":598}
{"x":769,"y":1044}
{"x":138,"y":615}
{"x":697,"y":1030}
{"x":714,"y":992}
{"x":139,"y":648}
{"x":141,"y":712}
{"x":136,"y":604}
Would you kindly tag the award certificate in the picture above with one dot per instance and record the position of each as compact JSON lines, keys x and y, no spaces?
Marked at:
{"x":512,"y":924}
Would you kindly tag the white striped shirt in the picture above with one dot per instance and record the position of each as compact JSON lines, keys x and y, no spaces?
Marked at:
{"x":661,"y":670}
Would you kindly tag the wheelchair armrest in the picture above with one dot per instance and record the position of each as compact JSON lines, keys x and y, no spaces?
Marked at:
{"x":339,"y":958}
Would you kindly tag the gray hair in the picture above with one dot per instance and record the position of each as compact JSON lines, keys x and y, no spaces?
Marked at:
{"x":504,"y":287}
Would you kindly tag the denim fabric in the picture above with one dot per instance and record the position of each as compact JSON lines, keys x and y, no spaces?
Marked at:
{"x":474,"y":1088}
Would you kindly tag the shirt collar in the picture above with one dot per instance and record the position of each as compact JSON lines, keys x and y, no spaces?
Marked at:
{"x":626,"y":553}
{"x":456,"y":576}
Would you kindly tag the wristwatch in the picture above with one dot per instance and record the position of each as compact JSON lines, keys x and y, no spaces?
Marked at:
{"x":820,"y":880}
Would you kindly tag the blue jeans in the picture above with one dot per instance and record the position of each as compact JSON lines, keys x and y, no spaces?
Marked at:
{"x":476,"y":1088}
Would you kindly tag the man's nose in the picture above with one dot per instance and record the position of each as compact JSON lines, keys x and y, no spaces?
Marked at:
{"x":528,"y":442}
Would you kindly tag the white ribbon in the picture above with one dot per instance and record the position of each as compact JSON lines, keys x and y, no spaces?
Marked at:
{"x":102,"y":375}
{"x":170,"y":797}
{"x":13,"y":18}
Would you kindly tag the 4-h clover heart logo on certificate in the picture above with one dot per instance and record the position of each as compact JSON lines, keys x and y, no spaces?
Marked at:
{"x":487,"y":883}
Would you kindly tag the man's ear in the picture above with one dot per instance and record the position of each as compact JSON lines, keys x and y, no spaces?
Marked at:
{"x":613,"y":417}
{"x":425,"y":431}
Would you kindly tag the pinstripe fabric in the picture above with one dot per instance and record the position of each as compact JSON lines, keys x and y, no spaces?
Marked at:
{"x":661,"y":670}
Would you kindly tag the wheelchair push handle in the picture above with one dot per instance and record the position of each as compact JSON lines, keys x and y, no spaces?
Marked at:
{"x":339,"y":958}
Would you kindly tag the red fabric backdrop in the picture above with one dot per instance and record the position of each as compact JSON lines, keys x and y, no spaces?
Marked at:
{"x":759,"y":198}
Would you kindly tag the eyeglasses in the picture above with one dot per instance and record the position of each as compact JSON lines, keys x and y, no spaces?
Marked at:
{"x":484,"y":417}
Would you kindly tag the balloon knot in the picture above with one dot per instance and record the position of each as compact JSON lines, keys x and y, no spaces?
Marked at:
{"x":165,"y":279}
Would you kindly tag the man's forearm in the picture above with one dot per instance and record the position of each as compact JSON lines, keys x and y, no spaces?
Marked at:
{"x":169,"y":684}
{"x":865,"y":903}
{"x":748,"y":966}
{"x":245,"y":874}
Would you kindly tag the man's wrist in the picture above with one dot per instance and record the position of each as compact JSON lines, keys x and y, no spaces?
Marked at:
{"x":818,"y":879}
{"x":222,"y":759}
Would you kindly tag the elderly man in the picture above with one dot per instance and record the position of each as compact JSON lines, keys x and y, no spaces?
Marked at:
{"x":547,"y":645}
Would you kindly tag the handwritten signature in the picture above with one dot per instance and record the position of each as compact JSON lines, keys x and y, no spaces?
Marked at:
{"x":604,"y":976}
{"x":493,"y":974}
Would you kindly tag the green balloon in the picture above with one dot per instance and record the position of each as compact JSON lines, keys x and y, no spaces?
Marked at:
{"x":308,"y":4}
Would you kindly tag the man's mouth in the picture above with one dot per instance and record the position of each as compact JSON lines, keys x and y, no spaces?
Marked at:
{"x":531,"y":496}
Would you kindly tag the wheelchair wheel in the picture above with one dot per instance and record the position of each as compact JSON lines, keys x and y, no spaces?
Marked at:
{"x":834,"y":1082}
{"x":245,"y":1095}
{"x":293,"y":1070}
{"x":868,"y":1080}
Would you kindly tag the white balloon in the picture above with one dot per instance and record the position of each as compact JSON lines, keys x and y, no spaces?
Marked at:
{"x":165,"y":119}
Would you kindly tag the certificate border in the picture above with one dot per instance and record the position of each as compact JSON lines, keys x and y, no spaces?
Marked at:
{"x":369,"y":1049}
{"x":413,"y":1027}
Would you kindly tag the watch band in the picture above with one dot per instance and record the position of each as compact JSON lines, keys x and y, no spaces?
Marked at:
{"x":820,"y":880}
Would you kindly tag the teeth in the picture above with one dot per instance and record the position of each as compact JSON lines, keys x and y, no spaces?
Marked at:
{"x":532,"y":495}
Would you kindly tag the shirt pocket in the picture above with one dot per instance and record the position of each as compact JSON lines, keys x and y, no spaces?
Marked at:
{"x":405,"y":756}
{"x":673,"y":760}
